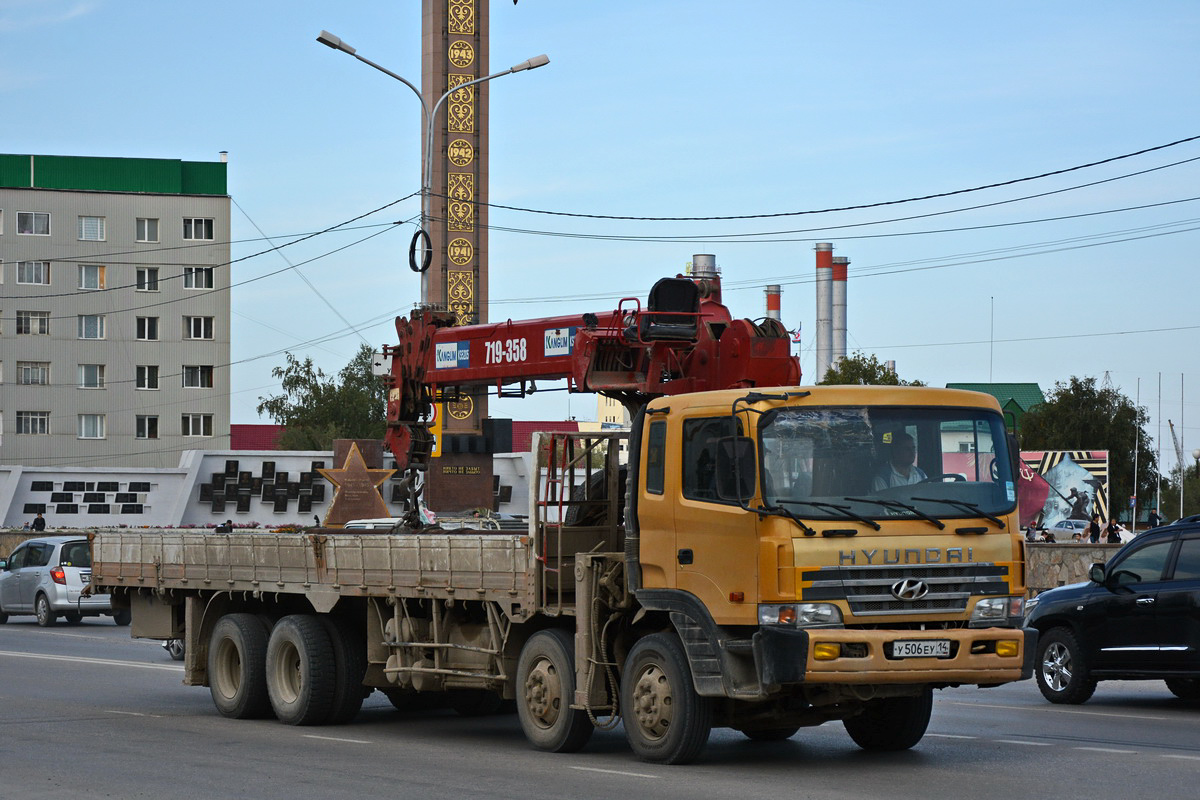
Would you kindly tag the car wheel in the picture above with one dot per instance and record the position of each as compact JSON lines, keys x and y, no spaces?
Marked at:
{"x":45,"y":615}
{"x":1184,"y":688}
{"x":73,"y":617}
{"x":769,"y":734}
{"x":1062,"y":674}
{"x":122,"y":617}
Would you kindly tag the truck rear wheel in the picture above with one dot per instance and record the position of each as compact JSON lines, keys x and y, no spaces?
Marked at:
{"x":350,"y":664}
{"x":301,"y":670}
{"x":545,"y":691}
{"x":237,"y":677}
{"x":666,"y":722}
{"x":891,"y":723}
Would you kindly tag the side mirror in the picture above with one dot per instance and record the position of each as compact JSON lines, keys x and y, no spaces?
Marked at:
{"x":1096,"y":574}
{"x":735,"y":468}
{"x":3,"y":563}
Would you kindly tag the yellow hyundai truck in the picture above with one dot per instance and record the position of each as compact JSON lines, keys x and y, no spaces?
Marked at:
{"x":758,"y":559}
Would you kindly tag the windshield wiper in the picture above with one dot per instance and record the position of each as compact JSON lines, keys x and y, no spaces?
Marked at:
{"x":780,"y":509}
{"x":843,"y":510}
{"x":963,"y":504}
{"x":897,"y":504}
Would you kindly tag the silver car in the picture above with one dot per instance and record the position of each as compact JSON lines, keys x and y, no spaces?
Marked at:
{"x":46,"y":577}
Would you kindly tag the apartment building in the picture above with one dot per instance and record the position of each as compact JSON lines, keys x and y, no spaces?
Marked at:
{"x":114,"y":310}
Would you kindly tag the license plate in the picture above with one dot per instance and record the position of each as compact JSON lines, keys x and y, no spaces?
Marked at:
{"x":921,"y":648}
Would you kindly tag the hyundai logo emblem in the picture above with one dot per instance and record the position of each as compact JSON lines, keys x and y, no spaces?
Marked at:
{"x":909,"y":589}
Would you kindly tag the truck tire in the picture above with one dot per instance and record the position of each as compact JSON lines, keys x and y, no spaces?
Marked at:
{"x":350,"y":665}
{"x":545,"y":691}
{"x":45,"y":615}
{"x":1062,"y":674}
{"x":666,"y":722}
{"x":1184,"y":688}
{"x":769,"y":734}
{"x":237,"y":676}
{"x":301,"y":670}
{"x":891,"y":723}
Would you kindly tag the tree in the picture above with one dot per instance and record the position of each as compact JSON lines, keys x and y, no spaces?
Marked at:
{"x":316,"y":409}
{"x":863,"y":370}
{"x":1079,"y":415}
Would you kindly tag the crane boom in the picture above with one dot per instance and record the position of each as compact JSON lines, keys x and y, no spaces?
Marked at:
{"x":683,"y":340}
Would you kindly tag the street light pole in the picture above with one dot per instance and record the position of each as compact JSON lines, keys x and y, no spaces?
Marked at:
{"x":428,"y":118}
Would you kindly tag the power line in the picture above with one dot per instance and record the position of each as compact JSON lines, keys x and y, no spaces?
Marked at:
{"x":858,"y":207}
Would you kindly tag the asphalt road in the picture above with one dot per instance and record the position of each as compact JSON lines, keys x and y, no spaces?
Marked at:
{"x":86,"y":712}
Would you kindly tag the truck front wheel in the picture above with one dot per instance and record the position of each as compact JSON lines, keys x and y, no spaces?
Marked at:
{"x":666,"y":722}
{"x":301,"y":670}
{"x":891,"y":723}
{"x":237,"y":677}
{"x":545,"y":691}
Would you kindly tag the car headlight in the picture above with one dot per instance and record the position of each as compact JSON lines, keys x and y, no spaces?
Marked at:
{"x":998,"y":609}
{"x":799,"y":615}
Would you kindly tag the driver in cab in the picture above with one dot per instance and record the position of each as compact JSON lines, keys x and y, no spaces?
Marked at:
{"x":900,"y":469}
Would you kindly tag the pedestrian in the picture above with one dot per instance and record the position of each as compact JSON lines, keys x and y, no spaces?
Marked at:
{"x":225,"y":527}
{"x":39,"y":523}
{"x":1093,"y":529}
{"x":1154,"y":519}
{"x":1112,"y":532}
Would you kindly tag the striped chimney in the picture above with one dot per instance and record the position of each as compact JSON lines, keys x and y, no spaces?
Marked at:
{"x":824,"y":344}
{"x":838,"y":344}
{"x":773,"y":292}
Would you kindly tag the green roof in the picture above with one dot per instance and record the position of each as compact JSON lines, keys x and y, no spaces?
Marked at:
{"x":1025,"y":395}
{"x":92,"y":174}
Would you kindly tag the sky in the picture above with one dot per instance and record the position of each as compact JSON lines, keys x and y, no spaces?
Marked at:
{"x":697,"y":109}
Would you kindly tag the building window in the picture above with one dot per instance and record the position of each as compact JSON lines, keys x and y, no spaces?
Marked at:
{"x":197,"y":327}
{"x":33,"y":223}
{"x":197,"y":377}
{"x":33,"y":373}
{"x":147,"y":329}
{"x":91,"y":326}
{"x":33,"y":323}
{"x":33,"y":423}
{"x":147,"y":230}
{"x":91,"y":376}
{"x":91,"y":276}
{"x":33,"y":272}
{"x":91,"y":229}
{"x":91,"y":426}
{"x":147,"y":279}
{"x":147,"y":427}
{"x":147,"y":376}
{"x":197,"y":424}
{"x":197,"y":228}
{"x":197,"y":277}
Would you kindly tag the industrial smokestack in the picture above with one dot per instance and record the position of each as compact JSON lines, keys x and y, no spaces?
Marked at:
{"x":704,"y":265}
{"x":839,"y":310}
{"x":773,"y":292}
{"x":824,"y":345}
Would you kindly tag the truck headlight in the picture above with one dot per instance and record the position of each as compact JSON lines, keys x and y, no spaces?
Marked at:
{"x":799,"y":615}
{"x":991,"y":610}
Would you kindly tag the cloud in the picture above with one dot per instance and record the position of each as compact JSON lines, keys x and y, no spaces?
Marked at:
{"x":20,"y":15}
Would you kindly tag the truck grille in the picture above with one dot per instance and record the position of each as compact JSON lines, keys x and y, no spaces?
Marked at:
{"x":868,"y":590}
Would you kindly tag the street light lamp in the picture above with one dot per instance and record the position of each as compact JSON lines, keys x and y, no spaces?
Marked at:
{"x":427,"y":118}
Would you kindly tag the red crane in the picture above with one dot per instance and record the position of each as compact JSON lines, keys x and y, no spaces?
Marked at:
{"x":683,"y":340}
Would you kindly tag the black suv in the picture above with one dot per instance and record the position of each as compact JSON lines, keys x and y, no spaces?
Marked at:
{"x":1138,"y":618}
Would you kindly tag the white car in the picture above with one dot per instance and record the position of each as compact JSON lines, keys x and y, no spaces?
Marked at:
{"x":45,"y":577}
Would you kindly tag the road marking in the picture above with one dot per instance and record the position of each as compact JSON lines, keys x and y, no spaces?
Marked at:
{"x":1058,"y":710}
{"x":951,"y":736}
{"x":1188,"y":758}
{"x":103,"y":661}
{"x":615,"y":772}
{"x":1022,"y":741}
{"x":337,"y":739}
{"x":132,"y":713}
{"x":1105,"y":750}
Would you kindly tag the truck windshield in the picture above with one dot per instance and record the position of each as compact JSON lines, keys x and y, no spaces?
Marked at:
{"x":921,"y":462}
